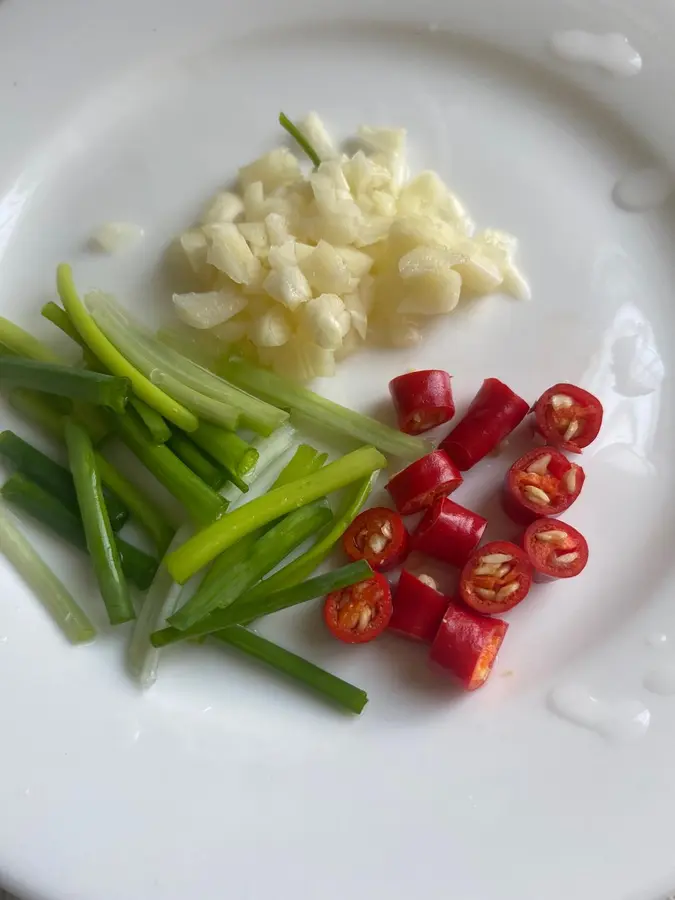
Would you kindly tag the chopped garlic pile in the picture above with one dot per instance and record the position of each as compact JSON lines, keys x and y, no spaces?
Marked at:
{"x":299,"y":269}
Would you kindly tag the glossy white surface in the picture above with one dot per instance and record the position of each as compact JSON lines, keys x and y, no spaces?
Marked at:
{"x":611,"y":52}
{"x":615,"y":719}
{"x":660,"y":679}
{"x":642,"y":190}
{"x":222,"y":779}
{"x":657,"y":640}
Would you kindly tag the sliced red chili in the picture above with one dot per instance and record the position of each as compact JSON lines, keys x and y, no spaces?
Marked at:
{"x":555,"y":549}
{"x":494,"y":412}
{"x":543,"y":482}
{"x":418,"y":608}
{"x":359,"y":613}
{"x":379,"y":536}
{"x":568,"y":417}
{"x":422,"y":400}
{"x":416,"y":487}
{"x":449,"y":532}
{"x":467,"y":645}
{"x":496,"y":578}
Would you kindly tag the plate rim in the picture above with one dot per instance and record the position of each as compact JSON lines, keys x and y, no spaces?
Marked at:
{"x":25,"y":92}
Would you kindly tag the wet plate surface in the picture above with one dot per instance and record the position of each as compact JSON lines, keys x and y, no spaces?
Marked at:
{"x":221,"y":778}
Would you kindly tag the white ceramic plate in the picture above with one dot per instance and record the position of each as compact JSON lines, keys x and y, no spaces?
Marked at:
{"x":224,"y":781}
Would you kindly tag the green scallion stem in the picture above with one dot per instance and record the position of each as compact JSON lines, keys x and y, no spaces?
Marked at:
{"x":301,"y":670}
{"x":59,"y":317}
{"x":160,"y":601}
{"x":305,"y":460}
{"x":268,"y":551}
{"x":287,"y":395}
{"x":200,"y":348}
{"x":245,"y":610}
{"x":300,"y":139}
{"x":97,"y":420}
{"x":54,"y":478}
{"x":187,"y":451}
{"x":37,"y":466}
{"x":270,"y":449}
{"x":30,"y":497}
{"x":113,"y":360}
{"x":228,"y":449}
{"x":65,"y":381}
{"x":302,"y":567}
{"x":165,"y":596}
{"x":144,"y":510}
{"x":51,"y":592}
{"x":202,"y":503}
{"x":230,"y":560}
{"x":138,"y":566}
{"x":158,"y":361}
{"x":21,"y":343}
{"x":37,"y":408}
{"x":98,"y":531}
{"x":158,"y":430}
{"x":207,"y":409}
{"x":25,"y":345}
{"x":211,"y":541}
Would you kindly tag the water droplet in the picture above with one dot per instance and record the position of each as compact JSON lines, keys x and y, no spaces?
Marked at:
{"x":660,"y":679}
{"x":637,"y":365}
{"x":611,"y":52}
{"x":642,"y":190}
{"x":657,"y":640}
{"x":617,"y":720}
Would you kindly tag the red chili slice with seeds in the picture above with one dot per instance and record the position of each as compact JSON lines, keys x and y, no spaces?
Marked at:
{"x":419,"y":607}
{"x":568,"y":417}
{"x":379,"y":536}
{"x":416,"y":487}
{"x":422,"y":400}
{"x":543,"y":482}
{"x":467,"y":645}
{"x":555,"y":549}
{"x":361,"y":612}
{"x":496,"y":578}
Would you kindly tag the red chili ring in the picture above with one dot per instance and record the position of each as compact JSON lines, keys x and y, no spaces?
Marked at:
{"x":422,"y":400}
{"x":467,"y":645}
{"x":494,"y":412}
{"x":555,"y":549}
{"x":361,"y":612}
{"x":568,"y":417}
{"x":496,"y":578}
{"x":418,"y":608}
{"x":449,"y":532}
{"x":422,"y":482}
{"x":379,"y":536}
{"x":543,"y":482}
